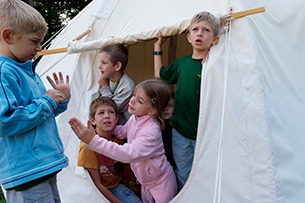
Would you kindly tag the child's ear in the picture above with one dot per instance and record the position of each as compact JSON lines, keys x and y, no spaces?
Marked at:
{"x":188,"y":37}
{"x":215,"y":40}
{"x":7,"y":35}
{"x":118,"y":66}
{"x":92,"y":121}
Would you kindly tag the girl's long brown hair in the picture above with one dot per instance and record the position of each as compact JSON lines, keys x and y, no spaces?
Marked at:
{"x":159,"y":94}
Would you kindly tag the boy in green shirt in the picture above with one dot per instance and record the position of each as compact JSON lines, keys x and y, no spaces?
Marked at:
{"x":185,"y":72}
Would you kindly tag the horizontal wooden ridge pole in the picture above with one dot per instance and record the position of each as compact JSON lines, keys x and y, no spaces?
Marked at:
{"x":64,"y":49}
{"x":247,"y":12}
{"x":52,"y":51}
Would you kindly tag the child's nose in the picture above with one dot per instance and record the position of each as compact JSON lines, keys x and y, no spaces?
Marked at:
{"x":132,"y":100}
{"x":38,"y":48}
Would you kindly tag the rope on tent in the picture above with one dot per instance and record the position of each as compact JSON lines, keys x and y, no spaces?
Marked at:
{"x":218,"y":179}
{"x":228,"y":19}
{"x":47,"y":43}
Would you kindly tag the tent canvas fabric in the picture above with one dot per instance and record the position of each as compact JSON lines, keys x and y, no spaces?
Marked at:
{"x":251,"y":134}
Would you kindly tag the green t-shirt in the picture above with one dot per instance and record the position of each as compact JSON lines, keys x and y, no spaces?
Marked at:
{"x":185,"y":72}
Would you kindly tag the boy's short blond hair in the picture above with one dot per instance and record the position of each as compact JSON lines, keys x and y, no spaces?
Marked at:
{"x":20,"y":17}
{"x":206,"y":16}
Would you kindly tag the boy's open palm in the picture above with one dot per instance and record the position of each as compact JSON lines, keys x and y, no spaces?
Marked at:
{"x":59,"y":84}
{"x":84,"y":133}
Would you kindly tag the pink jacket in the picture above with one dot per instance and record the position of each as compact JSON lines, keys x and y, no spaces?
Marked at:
{"x":144,"y":149}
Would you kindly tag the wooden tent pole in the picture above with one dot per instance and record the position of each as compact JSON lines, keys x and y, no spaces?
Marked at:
{"x":82,"y":35}
{"x":247,"y":12}
{"x":64,"y":49}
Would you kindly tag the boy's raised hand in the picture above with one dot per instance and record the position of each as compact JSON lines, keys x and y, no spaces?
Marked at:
{"x":59,"y":84}
{"x":84,"y":133}
{"x":158,"y":44}
{"x":103,"y":82}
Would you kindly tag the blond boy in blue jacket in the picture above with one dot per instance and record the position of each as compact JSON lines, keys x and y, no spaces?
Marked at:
{"x":30,"y":147}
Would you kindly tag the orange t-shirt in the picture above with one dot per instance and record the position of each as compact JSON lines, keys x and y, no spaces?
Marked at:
{"x":92,"y":160}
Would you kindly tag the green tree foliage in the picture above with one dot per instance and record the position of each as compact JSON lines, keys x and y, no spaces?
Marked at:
{"x":57,"y":12}
{"x":2,"y":199}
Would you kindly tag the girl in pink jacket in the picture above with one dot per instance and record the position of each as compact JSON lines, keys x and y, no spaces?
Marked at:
{"x":144,"y":148}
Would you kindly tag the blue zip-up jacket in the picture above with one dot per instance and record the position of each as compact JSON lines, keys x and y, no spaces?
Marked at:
{"x":30,"y":145}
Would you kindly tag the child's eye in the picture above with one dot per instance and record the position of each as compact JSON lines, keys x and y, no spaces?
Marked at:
{"x":102,"y":62}
{"x":101,"y":112}
{"x":112,"y":112}
{"x":35,"y":41}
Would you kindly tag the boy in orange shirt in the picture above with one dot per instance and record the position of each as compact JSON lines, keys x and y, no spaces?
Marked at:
{"x":103,"y":115}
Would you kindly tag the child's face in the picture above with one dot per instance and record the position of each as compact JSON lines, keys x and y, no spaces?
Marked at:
{"x":25,"y":47}
{"x":106,"y":67}
{"x":201,"y":35}
{"x":140,"y":104}
{"x":169,"y":110}
{"x":105,"y":119}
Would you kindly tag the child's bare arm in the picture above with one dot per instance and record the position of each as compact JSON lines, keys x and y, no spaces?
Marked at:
{"x":158,"y":57}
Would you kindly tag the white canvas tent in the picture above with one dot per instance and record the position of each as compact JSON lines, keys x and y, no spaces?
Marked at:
{"x":251,"y":134}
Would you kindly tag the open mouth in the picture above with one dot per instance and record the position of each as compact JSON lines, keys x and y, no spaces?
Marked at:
{"x":131,"y":108}
{"x":198,"y":41}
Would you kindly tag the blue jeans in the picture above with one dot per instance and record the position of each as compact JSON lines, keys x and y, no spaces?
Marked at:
{"x":183,"y":152}
{"x":125,"y":194}
{"x":45,"y":192}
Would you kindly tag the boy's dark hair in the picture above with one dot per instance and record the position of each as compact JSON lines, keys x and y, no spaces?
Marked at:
{"x":117,"y":53}
{"x":206,"y":16}
{"x":101,"y":101}
{"x":159,"y":94}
